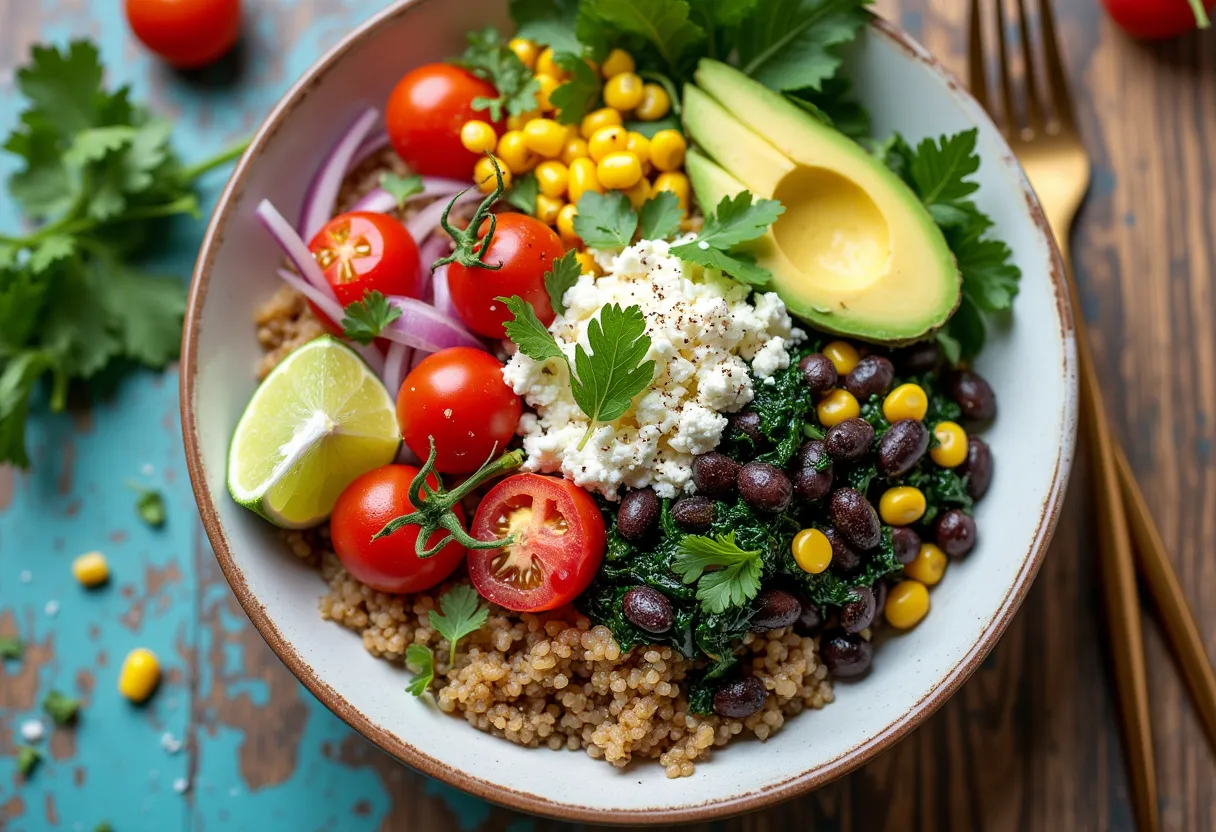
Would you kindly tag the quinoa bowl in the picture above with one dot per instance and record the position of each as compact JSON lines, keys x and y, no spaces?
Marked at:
{"x":568,"y":681}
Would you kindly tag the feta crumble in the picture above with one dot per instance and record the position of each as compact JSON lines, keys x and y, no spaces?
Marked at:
{"x":703,"y":333}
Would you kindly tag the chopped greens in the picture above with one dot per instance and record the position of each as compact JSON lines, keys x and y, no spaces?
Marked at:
{"x":61,"y":708}
{"x":579,"y":95}
{"x":488,"y":57}
{"x":660,"y":217}
{"x":420,"y":659}
{"x":605,"y":221}
{"x":460,"y":613}
{"x":149,"y":505}
{"x":559,"y":279}
{"x":11,"y":647}
{"x":27,"y":760}
{"x":401,"y":188}
{"x":736,"y":221}
{"x":795,"y":44}
{"x":736,"y":576}
{"x":366,"y":319}
{"x":523,"y":192}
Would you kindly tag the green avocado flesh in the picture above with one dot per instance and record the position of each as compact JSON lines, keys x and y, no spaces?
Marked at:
{"x":855,"y":252}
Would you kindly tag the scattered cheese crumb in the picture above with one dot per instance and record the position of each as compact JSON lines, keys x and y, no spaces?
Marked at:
{"x":32,"y":730}
{"x":180,"y":785}
{"x":170,"y":743}
{"x":52,"y":608}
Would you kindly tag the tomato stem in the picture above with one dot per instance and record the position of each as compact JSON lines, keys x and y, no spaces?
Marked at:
{"x":1201,"y":14}
{"x":470,"y":251}
{"x":434,"y":507}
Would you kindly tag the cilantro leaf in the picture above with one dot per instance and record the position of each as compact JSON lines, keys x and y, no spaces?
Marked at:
{"x":145,"y":311}
{"x":420,"y":659}
{"x":739,"y":266}
{"x":940,"y":168}
{"x":548,"y":23}
{"x":523,"y":192}
{"x":27,"y":760}
{"x":16,"y":387}
{"x":564,"y":273}
{"x":663,"y":23}
{"x":401,"y":188}
{"x":528,"y":333}
{"x":461,"y":612}
{"x":736,"y":576}
{"x":605,"y":221}
{"x":60,"y":707}
{"x":63,"y":86}
{"x":721,"y":14}
{"x":795,"y":44}
{"x":488,"y":57}
{"x":615,"y":370}
{"x":11,"y":647}
{"x":737,"y":220}
{"x":660,"y":216}
{"x":579,"y":95}
{"x":366,"y":319}
{"x":149,"y":505}
{"x":104,"y":826}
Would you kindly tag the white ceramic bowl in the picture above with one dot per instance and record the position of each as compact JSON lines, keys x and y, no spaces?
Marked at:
{"x":1030,"y":363}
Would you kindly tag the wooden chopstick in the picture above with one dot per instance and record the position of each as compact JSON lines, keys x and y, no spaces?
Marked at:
{"x":1173,"y":611}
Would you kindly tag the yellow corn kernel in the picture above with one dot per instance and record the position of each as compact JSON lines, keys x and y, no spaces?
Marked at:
{"x":525,"y":50}
{"x":485,"y":178}
{"x":595,"y":120}
{"x":611,"y":139}
{"x":843,"y":356}
{"x":677,"y":183}
{"x":139,"y":675}
{"x":545,"y":137}
{"x":587,"y":262}
{"x":551,"y":178}
{"x":547,"y":208}
{"x":951,"y":448}
{"x":582,"y":179}
{"x":812,"y":551}
{"x":521,"y":121}
{"x":655,"y":103}
{"x":639,"y":146}
{"x":837,"y":406}
{"x":907,"y":604}
{"x":639,"y":193}
{"x":575,"y":148}
{"x":513,"y":152}
{"x":928,"y":566}
{"x":618,"y":61}
{"x":91,"y":569}
{"x":907,"y":401}
{"x":667,"y":150}
{"x":619,"y":171}
{"x":565,"y":226}
{"x":478,"y":136}
{"x":547,"y":85}
{"x":623,"y":91}
{"x":546,"y":65}
{"x":901,"y":505}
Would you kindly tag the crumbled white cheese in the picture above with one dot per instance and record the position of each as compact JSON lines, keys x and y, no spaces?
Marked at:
{"x":170,"y":743}
{"x":32,"y":730}
{"x":703,"y":332}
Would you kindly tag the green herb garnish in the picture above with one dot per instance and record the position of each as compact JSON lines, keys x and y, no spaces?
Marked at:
{"x":577,"y":96}
{"x":461,"y":612}
{"x":660,"y":217}
{"x":736,"y":579}
{"x":61,"y":708}
{"x":366,"y":319}
{"x":11,"y":647}
{"x":488,"y":57}
{"x":523,"y":192}
{"x":149,"y":505}
{"x":420,"y":659}
{"x":605,"y":221}
{"x":401,"y":188}
{"x":563,"y":274}
{"x":737,"y":220}
{"x":795,"y":44}
{"x":27,"y":760}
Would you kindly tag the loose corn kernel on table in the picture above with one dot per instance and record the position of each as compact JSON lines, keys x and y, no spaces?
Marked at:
{"x":230,"y":740}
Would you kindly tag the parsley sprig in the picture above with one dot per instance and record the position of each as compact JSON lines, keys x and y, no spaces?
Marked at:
{"x":421,"y":660}
{"x":608,"y":222}
{"x":737,"y":221}
{"x":461,"y":612}
{"x":11,"y":647}
{"x":725,"y":574}
{"x":366,"y":319}
{"x":488,"y":57}
{"x":560,"y":278}
{"x":401,"y":188}
{"x":61,"y":708}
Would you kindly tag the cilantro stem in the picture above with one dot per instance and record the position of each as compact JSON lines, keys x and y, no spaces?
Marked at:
{"x":590,"y":430}
{"x":1201,"y":14}
{"x":224,"y":157}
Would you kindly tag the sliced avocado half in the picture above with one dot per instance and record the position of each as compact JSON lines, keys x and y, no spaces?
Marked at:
{"x":855,"y":252}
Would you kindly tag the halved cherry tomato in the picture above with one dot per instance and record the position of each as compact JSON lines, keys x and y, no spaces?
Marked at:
{"x":425,"y":112}
{"x":361,"y":251}
{"x":526,"y":248}
{"x":458,"y":397}
{"x":186,"y":33}
{"x":388,"y":564}
{"x":558,"y":547}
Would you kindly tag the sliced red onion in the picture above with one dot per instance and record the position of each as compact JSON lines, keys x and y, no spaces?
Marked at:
{"x":423,"y":327}
{"x":333,"y":310}
{"x":396,"y":363}
{"x":380,"y":201}
{"x":427,"y":220}
{"x":434,"y":247}
{"x":322,"y":193}
{"x":295,"y":249}
{"x":441,"y":295}
{"x":370,"y":146}
{"x":407,"y":457}
{"x":418,"y":357}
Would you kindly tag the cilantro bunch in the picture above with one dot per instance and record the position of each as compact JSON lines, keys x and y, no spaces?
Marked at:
{"x":97,"y":171}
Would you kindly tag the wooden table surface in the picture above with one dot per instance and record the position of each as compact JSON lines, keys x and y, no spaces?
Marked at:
{"x":1030,"y":743}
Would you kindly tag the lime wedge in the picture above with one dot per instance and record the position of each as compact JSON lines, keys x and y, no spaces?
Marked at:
{"x":317,"y":422}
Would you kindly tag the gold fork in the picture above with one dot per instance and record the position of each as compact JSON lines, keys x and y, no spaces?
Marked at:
{"x":1046,"y":141}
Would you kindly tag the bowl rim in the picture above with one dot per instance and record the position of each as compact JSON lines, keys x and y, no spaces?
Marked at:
{"x":793,"y":786}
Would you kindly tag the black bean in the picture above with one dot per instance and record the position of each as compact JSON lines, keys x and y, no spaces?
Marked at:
{"x":954,"y":533}
{"x":873,"y":376}
{"x":855,"y":518}
{"x":747,"y":422}
{"x":765,"y":487}
{"x":819,"y":373}
{"x":880,"y":599}
{"x":740,"y":698}
{"x":901,"y":447}
{"x":693,"y":514}
{"x":858,"y":613}
{"x":813,"y":475}
{"x":648,"y":609}
{"x":977,"y":467}
{"x":919,"y":358}
{"x":714,"y":474}
{"x":775,"y":608}
{"x":974,"y":395}
{"x":849,"y":440}
{"x":810,"y":620}
{"x":846,"y":654}
{"x":906,"y":544}
{"x":845,"y":558}
{"x":638,"y":514}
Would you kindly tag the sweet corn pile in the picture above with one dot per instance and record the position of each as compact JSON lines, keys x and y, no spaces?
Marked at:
{"x":599,"y":154}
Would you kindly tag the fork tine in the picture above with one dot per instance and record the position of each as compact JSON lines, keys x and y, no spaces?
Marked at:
{"x":1011,"y":117}
{"x":975,"y":57}
{"x":1057,"y":81}
{"x":1034,"y":113}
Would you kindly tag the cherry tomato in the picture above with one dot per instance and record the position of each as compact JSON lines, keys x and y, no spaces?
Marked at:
{"x":390,"y":563}
{"x":186,"y":33}
{"x":425,"y":113}
{"x":1155,"y":18}
{"x":458,"y":397}
{"x":526,"y":247}
{"x":559,"y":543}
{"x":360,"y":252}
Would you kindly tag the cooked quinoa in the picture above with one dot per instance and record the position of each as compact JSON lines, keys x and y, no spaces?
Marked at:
{"x":550,"y":679}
